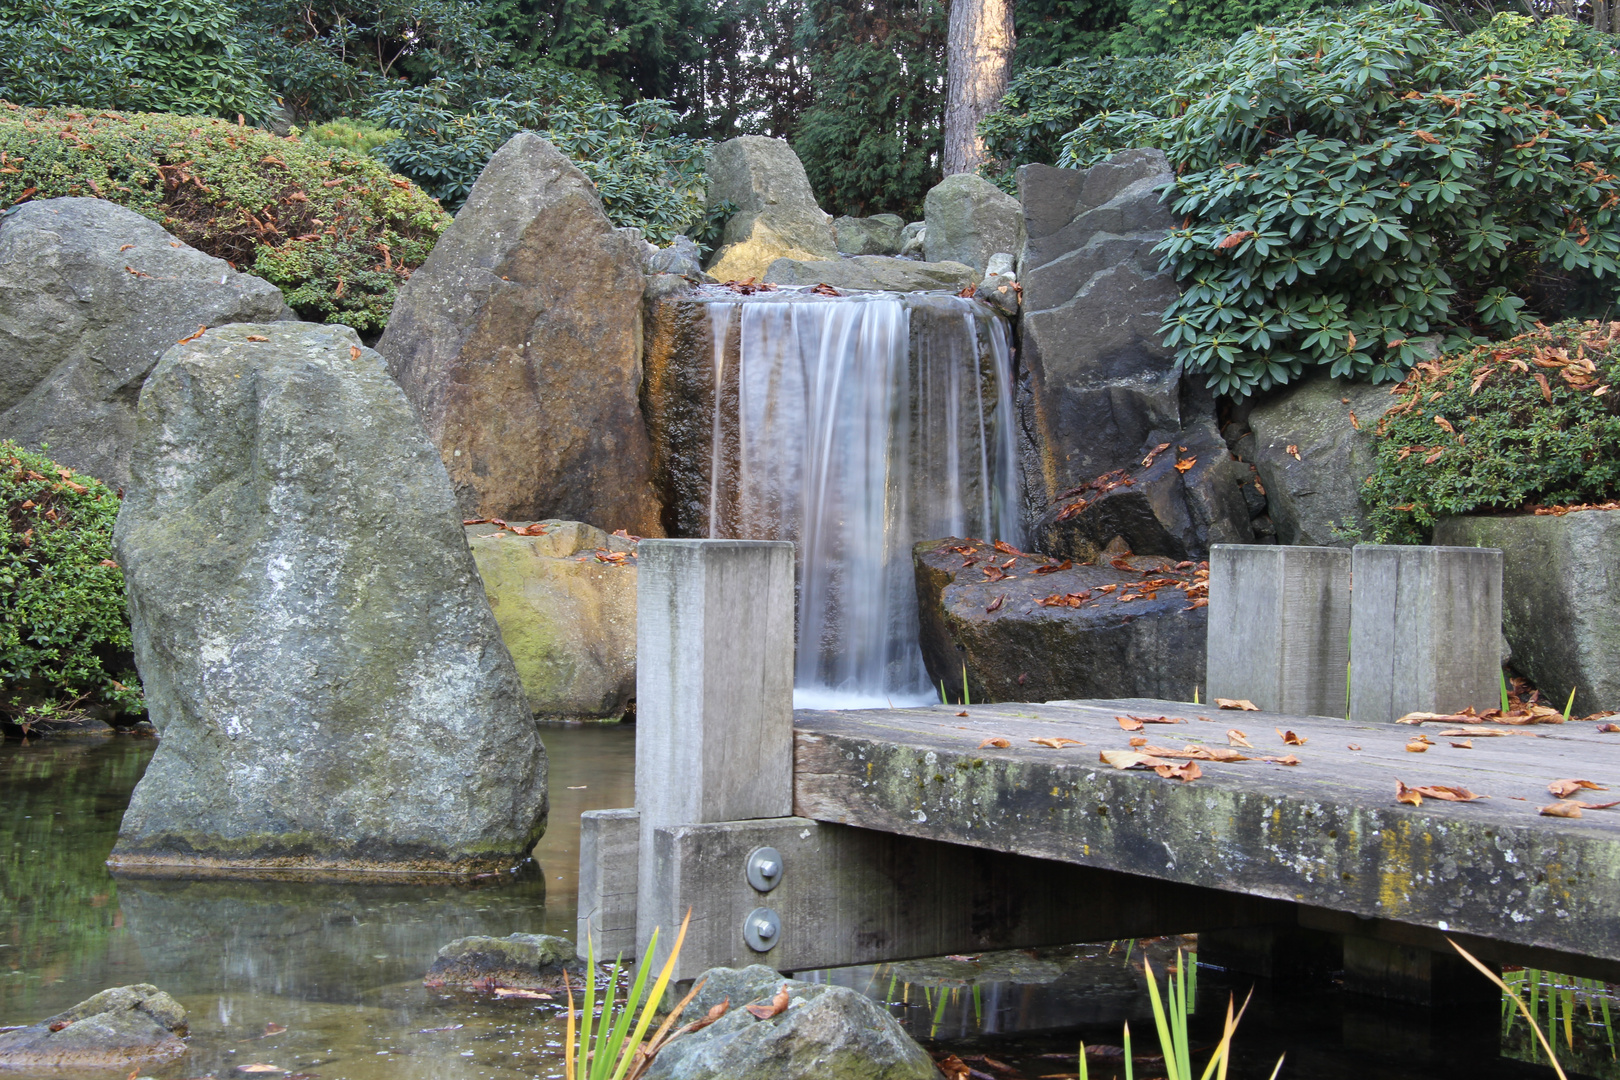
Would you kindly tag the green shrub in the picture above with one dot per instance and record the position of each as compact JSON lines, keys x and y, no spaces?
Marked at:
{"x":182,"y":56}
{"x":357,"y":137}
{"x":1348,"y":184}
{"x":335,"y":231}
{"x":64,"y":632}
{"x":1531,"y":420}
{"x":648,"y":177}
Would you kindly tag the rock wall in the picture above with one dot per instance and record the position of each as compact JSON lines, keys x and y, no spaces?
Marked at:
{"x":519,"y":343}
{"x":91,"y":294}
{"x":777,"y":216}
{"x":317,"y":653}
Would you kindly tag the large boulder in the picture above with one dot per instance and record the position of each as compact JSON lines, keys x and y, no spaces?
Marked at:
{"x":1560,"y":598}
{"x":1096,"y":380}
{"x":777,"y":216}
{"x":519,"y":343}
{"x":967,"y":219}
{"x":127,"y":1026}
{"x":1136,"y":627}
{"x":1314,"y":449}
{"x":316,"y":650}
{"x":880,"y":234}
{"x":521,"y":961}
{"x":825,"y":1033}
{"x":564,"y":594}
{"x":91,"y":294}
{"x":872,"y":272}
{"x":1184,"y":494}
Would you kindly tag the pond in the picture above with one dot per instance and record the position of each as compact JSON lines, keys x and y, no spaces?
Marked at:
{"x":324,"y":980}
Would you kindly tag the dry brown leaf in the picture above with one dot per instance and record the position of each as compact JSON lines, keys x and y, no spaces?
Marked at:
{"x":1417,"y":747}
{"x":1129,"y":723}
{"x":1237,"y":703}
{"x":1236,"y":738}
{"x":1130,"y":759}
{"x":1183,"y":466}
{"x":1446,"y":793}
{"x":1353,"y":746}
{"x":1136,"y":742}
{"x":994,"y":740}
{"x":1466,"y":744}
{"x":995,"y":605}
{"x":1404,"y":794}
{"x":961,"y":714}
{"x":1286,"y":759}
{"x":1195,"y":752}
{"x":1057,"y":743}
{"x":1290,"y":739}
{"x":1563,"y":789}
{"x":185,"y":341}
{"x":1292,"y":451}
{"x":1563,"y":808}
{"x":257,"y":337}
{"x":954,"y":1068}
{"x":519,"y":992}
{"x":1478,"y":731}
{"x":1186,"y":772}
{"x":777,"y":1007}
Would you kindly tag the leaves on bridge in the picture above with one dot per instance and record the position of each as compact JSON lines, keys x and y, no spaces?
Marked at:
{"x":1290,"y":739}
{"x":1414,"y":796}
{"x":994,"y":740}
{"x":1057,"y":743}
{"x":1237,"y":738}
{"x":1242,"y":704}
{"x":1563,"y":789}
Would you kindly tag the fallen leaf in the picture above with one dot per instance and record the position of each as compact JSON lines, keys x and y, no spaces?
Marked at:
{"x":1006,"y":548}
{"x":954,"y":1068}
{"x":1293,"y":451}
{"x":354,"y":352}
{"x":995,"y":605}
{"x":1417,"y":746}
{"x":1194,"y":752}
{"x":1477,"y":731}
{"x":1353,"y":421}
{"x":1353,"y":746}
{"x":1563,"y":808}
{"x":1159,"y":719}
{"x":184,"y":341}
{"x":1057,"y":743}
{"x":1443,"y":792}
{"x":1286,"y":759}
{"x":1129,"y":759}
{"x":1155,"y":452}
{"x":1129,"y":723}
{"x":1289,"y":738}
{"x":994,"y":740}
{"x":1233,"y":239}
{"x":1237,"y":703}
{"x":519,"y":992}
{"x":778,"y":1005}
{"x":1052,"y":568}
{"x":1185,"y":464}
{"x":1466,"y":744}
{"x":257,"y":337}
{"x":1563,"y":789}
{"x":961,"y":714}
{"x":1236,"y":738}
{"x":1137,"y":742}
{"x":1546,"y":392}
{"x":1186,"y":772}
{"x":1608,"y":727}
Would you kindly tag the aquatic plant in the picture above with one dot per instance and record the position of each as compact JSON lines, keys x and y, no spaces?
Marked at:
{"x":1524,"y":1009}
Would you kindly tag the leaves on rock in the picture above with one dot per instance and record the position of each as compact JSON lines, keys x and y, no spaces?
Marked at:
{"x":1414,"y":796}
{"x":1242,"y":704}
{"x":777,"y":1006}
{"x":1056,"y":743}
{"x":998,"y":741}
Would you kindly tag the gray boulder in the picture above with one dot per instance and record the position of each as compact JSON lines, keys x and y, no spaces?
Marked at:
{"x":1560,"y":598}
{"x":1188,"y":497}
{"x":521,"y":961}
{"x":127,"y":1026}
{"x":872,"y":272}
{"x":1314,"y":449}
{"x":880,"y":234}
{"x":518,"y":342}
{"x":1095,"y":381}
{"x":968,"y":219}
{"x":316,"y":650}
{"x":913,"y":238}
{"x":682,"y":257}
{"x":777,"y":216}
{"x":1125,"y":638}
{"x":91,"y":294}
{"x":826,"y":1033}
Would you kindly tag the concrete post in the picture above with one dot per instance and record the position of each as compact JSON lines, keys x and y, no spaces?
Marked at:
{"x":1279,"y":627}
{"x":1426,"y":630}
{"x":714,"y":696}
{"x":609,"y":848}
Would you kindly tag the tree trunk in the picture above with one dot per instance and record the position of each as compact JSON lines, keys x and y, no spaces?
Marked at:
{"x":978,"y":65}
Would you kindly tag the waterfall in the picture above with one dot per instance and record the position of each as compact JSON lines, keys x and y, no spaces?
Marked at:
{"x":856,"y":427}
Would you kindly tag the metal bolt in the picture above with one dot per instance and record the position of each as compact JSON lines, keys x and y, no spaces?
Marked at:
{"x":764,"y":869}
{"x":761,"y":928}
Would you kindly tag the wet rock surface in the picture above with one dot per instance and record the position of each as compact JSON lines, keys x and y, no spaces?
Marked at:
{"x":777,"y":216}
{"x":873,"y":272}
{"x":967,"y":219}
{"x":1132,"y":627}
{"x":1096,"y":380}
{"x":91,"y":295}
{"x":518,"y":344}
{"x":564,"y":594}
{"x":824,"y":1033}
{"x":127,"y":1026}
{"x":682,"y":257}
{"x":517,"y":961}
{"x":1314,"y":448}
{"x":314,"y":642}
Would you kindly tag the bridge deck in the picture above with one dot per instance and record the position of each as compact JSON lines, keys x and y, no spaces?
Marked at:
{"x":1327,"y":832}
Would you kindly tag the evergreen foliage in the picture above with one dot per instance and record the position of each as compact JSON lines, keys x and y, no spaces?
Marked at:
{"x":335,"y":231}
{"x":1051,"y":32}
{"x":64,"y":632}
{"x":1163,"y":26}
{"x":1350,"y":183}
{"x":1531,"y":420}
{"x":871,"y":142}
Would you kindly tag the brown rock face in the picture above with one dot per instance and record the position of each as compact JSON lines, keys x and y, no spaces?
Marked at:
{"x":519,"y":343}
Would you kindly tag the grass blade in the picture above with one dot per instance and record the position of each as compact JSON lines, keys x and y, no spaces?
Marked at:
{"x":1491,"y":975}
{"x":653,"y":999}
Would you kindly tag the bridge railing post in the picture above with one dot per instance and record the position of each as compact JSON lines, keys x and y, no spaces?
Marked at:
{"x":1279,"y":627}
{"x":1426,"y":628}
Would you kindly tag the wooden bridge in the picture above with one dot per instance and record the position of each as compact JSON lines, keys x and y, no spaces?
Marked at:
{"x":827,"y":838}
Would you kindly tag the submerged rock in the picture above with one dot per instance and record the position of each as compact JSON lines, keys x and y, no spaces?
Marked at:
{"x":969,"y":219}
{"x":1130,"y":633}
{"x":825,"y":1033}
{"x":314,"y":643}
{"x":116,"y":1029}
{"x":519,"y":343}
{"x":777,"y":216}
{"x":91,"y":294}
{"x":872,"y":272}
{"x":876,"y":235}
{"x":566,"y":604}
{"x":519,"y":961}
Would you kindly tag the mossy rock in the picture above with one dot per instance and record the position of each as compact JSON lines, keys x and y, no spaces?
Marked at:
{"x":333,"y":229}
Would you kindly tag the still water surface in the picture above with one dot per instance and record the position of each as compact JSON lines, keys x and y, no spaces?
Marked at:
{"x":324,"y":980}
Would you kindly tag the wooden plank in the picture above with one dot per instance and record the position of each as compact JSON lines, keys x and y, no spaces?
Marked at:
{"x":1326,"y":833}
{"x":609,"y":845}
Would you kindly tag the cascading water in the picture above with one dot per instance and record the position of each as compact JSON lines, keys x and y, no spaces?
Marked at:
{"x":856,"y":427}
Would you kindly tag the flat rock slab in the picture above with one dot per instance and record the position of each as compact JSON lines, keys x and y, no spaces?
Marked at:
{"x":1326,"y":833}
{"x":519,"y":961}
{"x":115,"y":1029}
